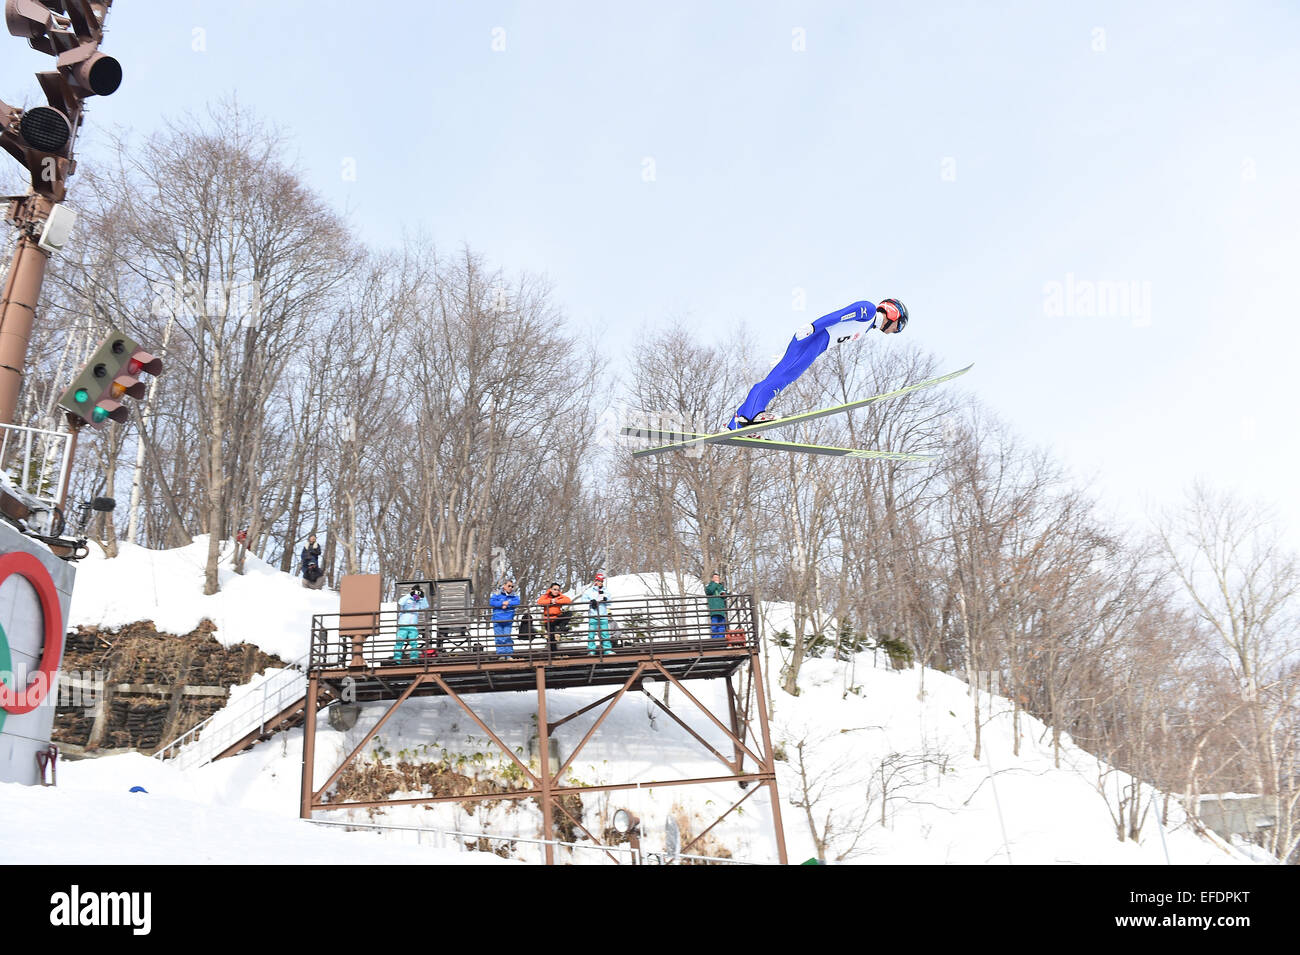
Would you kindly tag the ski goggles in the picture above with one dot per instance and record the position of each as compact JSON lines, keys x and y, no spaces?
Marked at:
{"x":891,"y":316}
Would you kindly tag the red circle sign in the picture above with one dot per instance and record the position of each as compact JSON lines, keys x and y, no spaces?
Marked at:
{"x":34,"y":572}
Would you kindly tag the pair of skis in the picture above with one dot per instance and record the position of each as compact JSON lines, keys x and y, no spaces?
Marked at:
{"x":679,"y":440}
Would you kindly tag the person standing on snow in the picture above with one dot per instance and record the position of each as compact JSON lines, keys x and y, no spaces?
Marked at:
{"x":846,"y":325}
{"x":504,"y":602}
{"x":408,"y":621}
{"x":597,"y":616}
{"x":309,"y":565}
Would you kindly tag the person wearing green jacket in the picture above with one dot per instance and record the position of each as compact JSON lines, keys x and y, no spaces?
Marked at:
{"x":716,"y":591}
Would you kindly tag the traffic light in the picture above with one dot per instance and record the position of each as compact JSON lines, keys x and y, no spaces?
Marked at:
{"x":70,"y":30}
{"x":113,"y":373}
{"x":42,"y":137}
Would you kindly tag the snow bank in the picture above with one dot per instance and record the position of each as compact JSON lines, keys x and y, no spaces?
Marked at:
{"x":263,"y":606}
{"x":68,"y":826}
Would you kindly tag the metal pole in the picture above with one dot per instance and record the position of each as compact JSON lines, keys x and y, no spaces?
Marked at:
{"x":18,"y":311}
{"x":308,"y":747}
{"x":733,"y":709}
{"x":544,"y":749}
{"x":769,"y":762}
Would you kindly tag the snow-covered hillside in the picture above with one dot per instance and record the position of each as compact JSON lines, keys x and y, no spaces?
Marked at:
{"x":262,"y":606}
{"x":889,"y":770}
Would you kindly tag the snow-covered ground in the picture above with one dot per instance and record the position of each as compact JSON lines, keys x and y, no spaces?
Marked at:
{"x":263,"y":606}
{"x":891,"y":769}
{"x":93,"y":818}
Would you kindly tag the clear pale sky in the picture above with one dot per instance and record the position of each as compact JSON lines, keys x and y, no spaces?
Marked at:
{"x":995,"y":166}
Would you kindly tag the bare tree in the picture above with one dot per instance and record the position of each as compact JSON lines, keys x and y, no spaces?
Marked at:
{"x":1231,"y":561}
{"x":244,"y":259}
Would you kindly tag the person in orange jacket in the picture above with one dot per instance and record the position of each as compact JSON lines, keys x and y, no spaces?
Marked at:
{"x":553,"y":600}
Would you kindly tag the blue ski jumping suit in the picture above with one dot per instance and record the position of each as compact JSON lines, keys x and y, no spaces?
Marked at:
{"x":846,"y":324}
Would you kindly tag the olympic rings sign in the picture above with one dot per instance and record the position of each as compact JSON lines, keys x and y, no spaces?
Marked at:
{"x":33,"y":571}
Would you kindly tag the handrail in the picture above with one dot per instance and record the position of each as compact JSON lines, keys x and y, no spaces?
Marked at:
{"x":52,"y":464}
{"x":234,"y":721}
{"x":648,"y":624}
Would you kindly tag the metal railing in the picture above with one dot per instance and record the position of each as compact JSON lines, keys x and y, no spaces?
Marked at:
{"x":36,"y":462}
{"x":272,"y":695}
{"x":439,"y":839}
{"x":650,"y":624}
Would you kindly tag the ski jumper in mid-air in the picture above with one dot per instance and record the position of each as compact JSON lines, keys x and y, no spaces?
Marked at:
{"x":845,"y":325}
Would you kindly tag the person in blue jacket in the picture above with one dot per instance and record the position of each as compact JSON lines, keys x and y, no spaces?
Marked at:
{"x":597,"y":602}
{"x":504,"y":602}
{"x":845,"y":325}
{"x":408,"y":622}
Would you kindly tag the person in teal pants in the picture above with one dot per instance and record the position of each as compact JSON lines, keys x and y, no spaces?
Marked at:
{"x":408,"y":633}
{"x":597,"y":616}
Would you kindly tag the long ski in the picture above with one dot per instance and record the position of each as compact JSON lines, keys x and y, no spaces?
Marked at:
{"x":727,"y":437}
{"x":794,"y":446}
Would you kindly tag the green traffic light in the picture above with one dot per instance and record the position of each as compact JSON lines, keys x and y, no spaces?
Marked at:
{"x":81,"y":396}
{"x":98,"y":415}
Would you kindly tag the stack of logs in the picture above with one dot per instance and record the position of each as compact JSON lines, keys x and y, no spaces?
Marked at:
{"x":155,"y":686}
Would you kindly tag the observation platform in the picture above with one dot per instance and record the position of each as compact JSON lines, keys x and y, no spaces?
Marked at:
{"x":360,"y":651}
{"x":369,"y":656}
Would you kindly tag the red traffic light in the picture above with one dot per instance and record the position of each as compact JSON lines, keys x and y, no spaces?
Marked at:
{"x":142,"y":361}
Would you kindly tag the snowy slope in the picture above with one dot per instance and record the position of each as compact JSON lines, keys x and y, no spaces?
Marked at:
{"x":263,"y":606}
{"x":861,"y":727}
{"x":92,"y":818}
{"x":946,"y":806}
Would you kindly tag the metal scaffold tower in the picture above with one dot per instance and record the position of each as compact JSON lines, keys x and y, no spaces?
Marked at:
{"x":676,"y":640}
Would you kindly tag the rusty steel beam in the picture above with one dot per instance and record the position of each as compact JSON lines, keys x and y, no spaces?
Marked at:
{"x":496,"y":739}
{"x":694,"y":663}
{"x":654,"y":784}
{"x":588,"y":834}
{"x":373,"y":730}
{"x":306,"y":796}
{"x":770,"y":765}
{"x":702,"y":741}
{"x":551,"y":727}
{"x":709,"y":713}
{"x":535,"y":793}
{"x":422,"y":800}
{"x":735,"y":725}
{"x":734,"y":805}
{"x":544,"y":765}
{"x":596,"y":725}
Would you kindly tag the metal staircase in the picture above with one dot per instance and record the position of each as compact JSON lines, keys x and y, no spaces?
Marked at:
{"x":274,"y":702}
